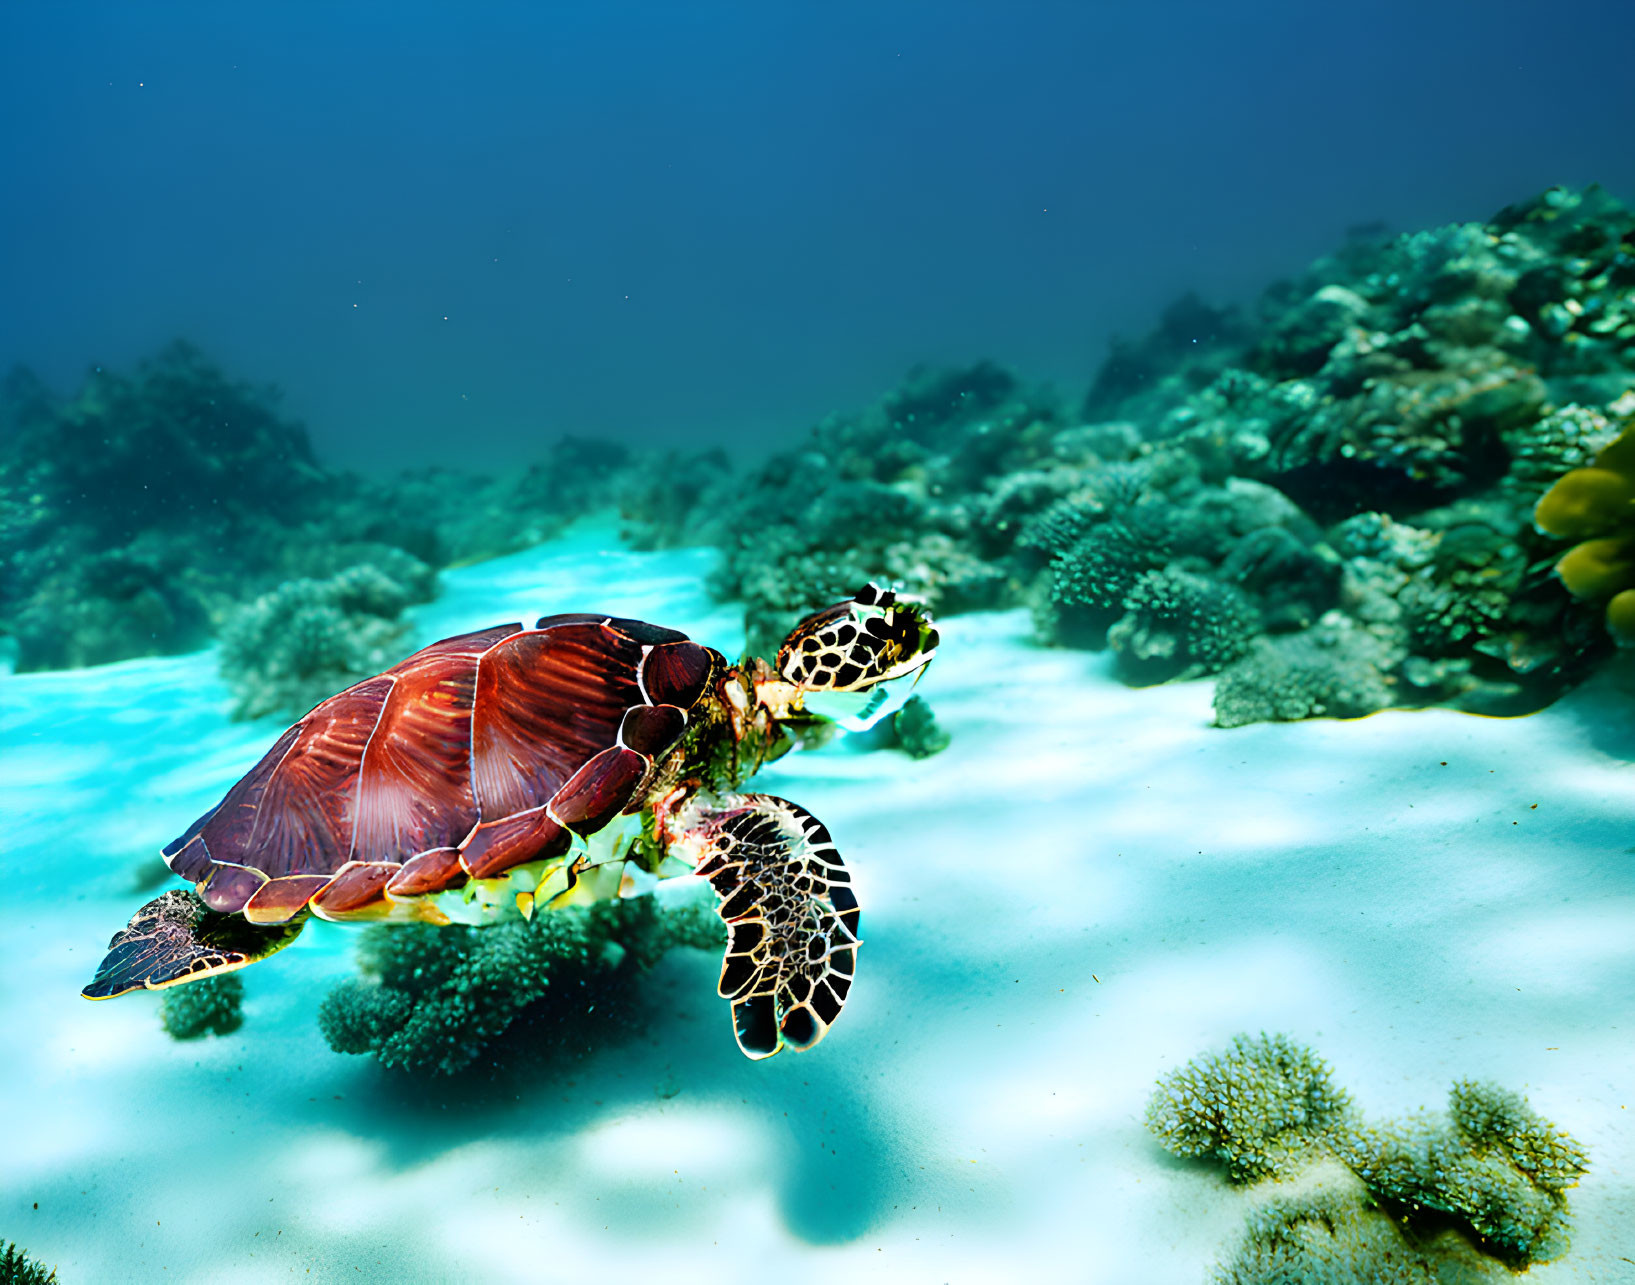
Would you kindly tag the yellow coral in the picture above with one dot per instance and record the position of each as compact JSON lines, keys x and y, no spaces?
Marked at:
{"x":1598,"y":502}
{"x":1621,"y":618}
{"x":1584,"y":501}
{"x":1598,"y":568}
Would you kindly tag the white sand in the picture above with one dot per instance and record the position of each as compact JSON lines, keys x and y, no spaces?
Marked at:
{"x":1090,"y":887}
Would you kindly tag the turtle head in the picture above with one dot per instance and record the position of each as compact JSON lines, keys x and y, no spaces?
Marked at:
{"x":853,"y":663}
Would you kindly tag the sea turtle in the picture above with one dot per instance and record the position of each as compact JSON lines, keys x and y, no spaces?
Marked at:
{"x":512,"y":770}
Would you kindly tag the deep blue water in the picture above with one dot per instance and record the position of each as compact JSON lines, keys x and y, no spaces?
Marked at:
{"x":452,"y":231}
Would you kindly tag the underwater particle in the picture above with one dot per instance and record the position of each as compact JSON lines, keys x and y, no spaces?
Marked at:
{"x":211,"y":1006}
{"x":17,"y":1268}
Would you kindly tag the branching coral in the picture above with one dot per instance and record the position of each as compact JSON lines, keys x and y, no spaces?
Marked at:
{"x":17,"y":1268}
{"x":433,"y":999}
{"x":308,"y":639}
{"x":1335,"y":1234}
{"x":1262,"y":1107}
{"x":1334,"y":670}
{"x":1178,"y":624}
{"x":1494,"y":1170}
{"x":1500,"y":1169}
{"x":212,"y":1006}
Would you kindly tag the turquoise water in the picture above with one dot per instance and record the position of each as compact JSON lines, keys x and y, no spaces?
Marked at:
{"x":1088,"y":888}
{"x":1248,"y":391}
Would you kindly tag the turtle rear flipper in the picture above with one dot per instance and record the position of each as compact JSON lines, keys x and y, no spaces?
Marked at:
{"x":791,"y":918}
{"x":176,"y":938}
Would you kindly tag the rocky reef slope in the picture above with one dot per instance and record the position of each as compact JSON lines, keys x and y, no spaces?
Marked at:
{"x":1325,"y":500}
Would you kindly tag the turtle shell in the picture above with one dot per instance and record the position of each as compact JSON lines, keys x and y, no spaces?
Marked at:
{"x":475,"y":755}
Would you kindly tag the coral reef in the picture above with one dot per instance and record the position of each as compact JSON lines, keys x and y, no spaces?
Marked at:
{"x":1352,"y":464}
{"x":1336,"y":669}
{"x":140,"y":516}
{"x":1177,"y":624}
{"x":1334,"y":1234}
{"x":209,"y":1007}
{"x":1487,"y":1181}
{"x":434,"y":999}
{"x":17,"y":1268}
{"x":308,"y":639}
{"x":1262,"y":1107}
{"x":1594,"y":504}
{"x":1328,"y":497}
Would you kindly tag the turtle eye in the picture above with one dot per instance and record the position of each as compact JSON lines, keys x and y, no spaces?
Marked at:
{"x":873,"y":637}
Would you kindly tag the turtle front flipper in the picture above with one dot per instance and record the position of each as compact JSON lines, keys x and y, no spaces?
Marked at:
{"x":176,"y":938}
{"x":790,"y":912}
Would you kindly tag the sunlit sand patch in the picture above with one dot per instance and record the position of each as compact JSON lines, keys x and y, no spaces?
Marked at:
{"x":716,"y":1145}
{"x":342,"y":1165}
{"x":1332,"y":880}
{"x":1570,"y":946}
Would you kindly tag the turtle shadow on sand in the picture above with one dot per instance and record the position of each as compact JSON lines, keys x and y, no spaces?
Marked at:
{"x":658,"y":1046}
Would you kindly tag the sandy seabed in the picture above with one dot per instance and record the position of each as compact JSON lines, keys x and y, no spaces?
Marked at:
{"x":1090,"y":887}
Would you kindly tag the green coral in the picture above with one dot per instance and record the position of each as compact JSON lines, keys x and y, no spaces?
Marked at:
{"x":1180,"y":624}
{"x":434,"y":999}
{"x":1294,"y":582}
{"x":1493,"y":1170}
{"x":1336,"y":1234}
{"x":1098,"y":570}
{"x":307,"y":639}
{"x":1500,"y":1169}
{"x":1262,"y":1107}
{"x":211,"y":1006}
{"x":17,"y":1268}
{"x":1059,"y":526}
{"x":918,"y":734}
{"x":1334,"y":670}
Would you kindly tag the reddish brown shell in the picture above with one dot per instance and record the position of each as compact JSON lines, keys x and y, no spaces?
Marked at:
{"x":474,"y":755}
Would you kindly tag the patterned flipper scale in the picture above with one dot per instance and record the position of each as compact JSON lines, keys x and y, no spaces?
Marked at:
{"x":791,"y":918}
{"x":177,"y":938}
